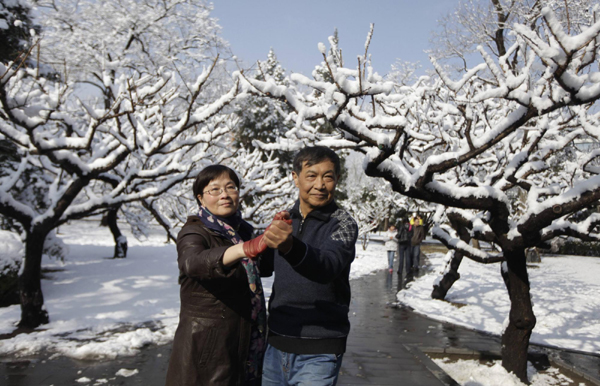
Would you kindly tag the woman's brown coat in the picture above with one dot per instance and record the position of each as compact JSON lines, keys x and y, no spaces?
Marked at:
{"x":213,"y":337}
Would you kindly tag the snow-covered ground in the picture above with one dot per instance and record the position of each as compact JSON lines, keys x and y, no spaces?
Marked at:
{"x":565,"y":291}
{"x":105,"y":308}
{"x":566,"y":301}
{"x":473,"y":373}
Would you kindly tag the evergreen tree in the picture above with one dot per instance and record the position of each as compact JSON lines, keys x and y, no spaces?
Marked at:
{"x":15,"y":40}
{"x":262,"y":119}
{"x":15,"y":37}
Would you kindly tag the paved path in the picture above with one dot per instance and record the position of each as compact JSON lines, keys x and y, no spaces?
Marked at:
{"x":385,"y":347}
{"x":382,"y":346}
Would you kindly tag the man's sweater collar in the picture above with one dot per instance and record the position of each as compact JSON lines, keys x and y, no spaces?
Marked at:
{"x":322,"y":213}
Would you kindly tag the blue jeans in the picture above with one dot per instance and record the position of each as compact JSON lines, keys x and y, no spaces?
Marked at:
{"x":404,"y":253}
{"x":391,"y":259}
{"x":416,"y":256}
{"x":283,"y":369}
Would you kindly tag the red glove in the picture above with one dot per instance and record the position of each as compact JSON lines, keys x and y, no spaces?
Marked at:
{"x":254,"y":247}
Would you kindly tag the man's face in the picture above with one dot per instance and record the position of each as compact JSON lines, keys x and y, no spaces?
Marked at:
{"x":316,"y":184}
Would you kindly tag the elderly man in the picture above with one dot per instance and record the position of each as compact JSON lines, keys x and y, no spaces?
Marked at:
{"x":308,"y":309}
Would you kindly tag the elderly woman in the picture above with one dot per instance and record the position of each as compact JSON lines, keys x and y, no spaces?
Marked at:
{"x":220,"y":339}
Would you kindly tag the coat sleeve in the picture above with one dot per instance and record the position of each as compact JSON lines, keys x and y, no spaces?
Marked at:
{"x":196,"y":258}
{"x":266,"y":263}
{"x":324,"y":265}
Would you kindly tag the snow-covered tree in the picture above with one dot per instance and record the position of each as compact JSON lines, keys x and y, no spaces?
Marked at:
{"x":91,"y":43}
{"x":478,"y":143}
{"x":489,"y":23}
{"x":125,"y":108}
{"x":94,"y":157}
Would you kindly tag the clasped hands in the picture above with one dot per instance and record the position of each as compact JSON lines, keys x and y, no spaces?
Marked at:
{"x":278,"y":235}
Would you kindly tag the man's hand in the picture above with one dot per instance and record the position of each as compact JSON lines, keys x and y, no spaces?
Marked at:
{"x":278,"y":235}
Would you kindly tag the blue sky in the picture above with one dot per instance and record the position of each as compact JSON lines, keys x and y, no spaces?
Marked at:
{"x":294,"y":28}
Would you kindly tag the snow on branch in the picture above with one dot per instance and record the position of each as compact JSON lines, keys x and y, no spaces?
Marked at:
{"x":570,"y":44}
{"x":457,"y":244}
{"x":583,"y":230}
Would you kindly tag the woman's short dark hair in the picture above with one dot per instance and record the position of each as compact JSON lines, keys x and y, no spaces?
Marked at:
{"x":315,"y":155}
{"x":208,"y":174}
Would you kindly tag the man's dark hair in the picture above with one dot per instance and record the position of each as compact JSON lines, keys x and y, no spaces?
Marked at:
{"x":314,"y":155}
{"x":208,"y":174}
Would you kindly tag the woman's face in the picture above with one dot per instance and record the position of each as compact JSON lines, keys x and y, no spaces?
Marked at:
{"x":225,"y":203}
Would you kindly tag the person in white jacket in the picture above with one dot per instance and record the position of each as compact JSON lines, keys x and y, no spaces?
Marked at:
{"x":391,"y":244}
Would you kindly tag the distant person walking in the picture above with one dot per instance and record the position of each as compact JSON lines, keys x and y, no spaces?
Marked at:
{"x":415,"y":241}
{"x":391,"y":244}
{"x":404,"y":248}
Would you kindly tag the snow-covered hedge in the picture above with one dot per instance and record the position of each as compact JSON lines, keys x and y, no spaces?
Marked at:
{"x":581,"y":248}
{"x":11,"y":255}
{"x":54,"y":247}
{"x":11,"y":252}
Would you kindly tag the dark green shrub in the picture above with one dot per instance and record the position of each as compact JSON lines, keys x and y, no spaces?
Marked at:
{"x":581,"y":248}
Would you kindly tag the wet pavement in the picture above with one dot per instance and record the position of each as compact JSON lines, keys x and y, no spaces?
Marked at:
{"x":386,"y":346}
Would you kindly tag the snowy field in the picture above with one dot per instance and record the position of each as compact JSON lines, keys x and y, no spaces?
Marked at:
{"x":105,"y":308}
{"x":565,"y":291}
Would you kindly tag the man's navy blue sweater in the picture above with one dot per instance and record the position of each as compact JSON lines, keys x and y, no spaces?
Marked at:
{"x":308,"y":307}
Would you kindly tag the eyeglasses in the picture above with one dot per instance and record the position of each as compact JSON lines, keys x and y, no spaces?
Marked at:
{"x":216,"y":192}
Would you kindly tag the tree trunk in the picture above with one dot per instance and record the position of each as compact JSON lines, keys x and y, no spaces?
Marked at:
{"x":110,"y":220}
{"x":515,"y":340}
{"x":33,"y":313}
{"x":440,"y":290}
